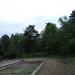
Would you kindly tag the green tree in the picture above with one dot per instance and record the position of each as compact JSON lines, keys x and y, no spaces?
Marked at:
{"x":68,"y":29}
{"x":48,"y":38}
{"x":5,"y":44}
{"x":1,"y":53}
{"x":31,"y":37}
{"x":16,"y":46}
{"x":72,"y":17}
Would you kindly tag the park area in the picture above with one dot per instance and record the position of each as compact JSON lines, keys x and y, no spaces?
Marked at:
{"x":38,"y":66}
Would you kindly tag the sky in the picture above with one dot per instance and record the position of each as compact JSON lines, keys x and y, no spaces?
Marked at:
{"x":16,"y":15}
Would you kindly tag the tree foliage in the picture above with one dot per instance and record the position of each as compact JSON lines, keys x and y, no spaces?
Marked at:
{"x":48,"y":38}
{"x":5,"y":44}
{"x":52,"y":40}
{"x":72,"y":17}
{"x":31,"y":37}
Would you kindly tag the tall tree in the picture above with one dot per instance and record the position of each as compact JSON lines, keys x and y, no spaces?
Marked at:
{"x":16,"y":45}
{"x":48,"y":38}
{"x":68,"y":29}
{"x":5,"y":44}
{"x":31,"y":36}
{"x":1,"y":53}
{"x":72,"y":17}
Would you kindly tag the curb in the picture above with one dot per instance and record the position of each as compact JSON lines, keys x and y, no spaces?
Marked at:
{"x":4,"y":66}
{"x":36,"y":71}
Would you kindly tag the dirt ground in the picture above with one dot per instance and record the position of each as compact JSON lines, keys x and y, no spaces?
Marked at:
{"x":55,"y":67}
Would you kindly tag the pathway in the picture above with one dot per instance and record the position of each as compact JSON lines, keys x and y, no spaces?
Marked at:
{"x":55,"y":67}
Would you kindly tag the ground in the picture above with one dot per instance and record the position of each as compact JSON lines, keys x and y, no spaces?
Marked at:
{"x":52,"y":66}
{"x":18,"y":66}
{"x":56,"y":67}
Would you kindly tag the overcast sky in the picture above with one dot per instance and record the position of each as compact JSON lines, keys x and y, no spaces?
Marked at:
{"x":15,"y":15}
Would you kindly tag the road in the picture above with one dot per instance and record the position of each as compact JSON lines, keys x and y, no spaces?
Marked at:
{"x":55,"y":67}
{"x":51,"y":67}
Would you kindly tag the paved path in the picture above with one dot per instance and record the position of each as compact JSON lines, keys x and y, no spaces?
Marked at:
{"x":55,"y":67}
{"x":7,"y":62}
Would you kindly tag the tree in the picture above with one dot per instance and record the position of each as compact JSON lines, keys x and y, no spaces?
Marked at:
{"x":72,"y":17}
{"x":68,"y":29}
{"x":1,"y":53}
{"x":31,"y":36}
{"x":71,"y":47}
{"x":48,"y":38}
{"x":5,"y":44}
{"x":16,"y":45}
